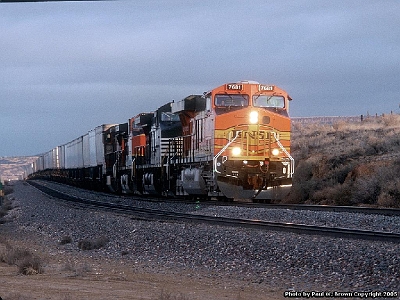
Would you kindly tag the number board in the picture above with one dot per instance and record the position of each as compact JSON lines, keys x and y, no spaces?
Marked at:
{"x":234,"y":86}
{"x":262,"y":87}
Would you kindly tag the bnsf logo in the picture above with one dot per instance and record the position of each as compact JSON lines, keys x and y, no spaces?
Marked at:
{"x":261,"y":135}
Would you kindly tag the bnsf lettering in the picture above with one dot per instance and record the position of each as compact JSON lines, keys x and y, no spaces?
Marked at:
{"x":261,"y":135}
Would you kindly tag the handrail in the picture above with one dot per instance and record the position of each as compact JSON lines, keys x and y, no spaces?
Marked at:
{"x":286,"y":152}
{"x":222,"y":150}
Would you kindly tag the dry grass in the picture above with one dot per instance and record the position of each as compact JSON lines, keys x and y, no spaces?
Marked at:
{"x":347,"y":163}
{"x":27,"y":262}
{"x":77,"y":269}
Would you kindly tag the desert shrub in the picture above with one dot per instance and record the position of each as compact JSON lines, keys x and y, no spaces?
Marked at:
{"x":315,"y":174}
{"x":366,"y":190}
{"x":323,"y":196}
{"x":91,"y":244}
{"x":381,"y":185}
{"x":393,"y":140}
{"x":390,"y":193}
{"x":30,"y":266}
{"x":305,"y":181}
{"x":309,"y":138}
{"x":347,"y":161}
{"x":335,"y":170}
{"x":376,"y":145}
{"x":340,"y":125}
{"x":341,"y":173}
{"x":387,"y":200}
{"x":65,"y":240}
{"x":342,"y":194}
{"x":390,"y":120}
{"x":77,"y":270}
{"x":304,"y":170}
{"x":12,"y":255}
{"x":28,"y":263}
{"x":302,"y":191}
{"x":296,"y":195}
{"x":299,"y":152}
{"x":338,"y":194}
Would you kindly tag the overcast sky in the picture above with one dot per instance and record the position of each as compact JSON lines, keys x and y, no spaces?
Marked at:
{"x":66,"y":67}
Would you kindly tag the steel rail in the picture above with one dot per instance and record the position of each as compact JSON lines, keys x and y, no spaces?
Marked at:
{"x":330,"y":208}
{"x":247,"y":204}
{"x":146,"y":213}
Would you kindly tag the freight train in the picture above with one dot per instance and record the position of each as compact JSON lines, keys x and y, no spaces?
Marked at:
{"x":232,"y":142}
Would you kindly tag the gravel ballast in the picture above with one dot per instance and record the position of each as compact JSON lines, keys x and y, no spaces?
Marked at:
{"x":308,"y":217}
{"x":267,"y":258}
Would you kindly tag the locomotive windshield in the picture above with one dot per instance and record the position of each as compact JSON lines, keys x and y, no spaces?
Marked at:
{"x":268,"y":101}
{"x":231,"y":100}
{"x":169,"y":117}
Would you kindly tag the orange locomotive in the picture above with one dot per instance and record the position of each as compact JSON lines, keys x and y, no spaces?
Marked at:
{"x":236,"y":141}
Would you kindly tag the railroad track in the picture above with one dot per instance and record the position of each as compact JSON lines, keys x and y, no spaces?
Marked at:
{"x":145,"y":213}
{"x":248,"y":204}
{"x":329,"y":208}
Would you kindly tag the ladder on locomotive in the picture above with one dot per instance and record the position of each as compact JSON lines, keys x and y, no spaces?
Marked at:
{"x":175,"y":150}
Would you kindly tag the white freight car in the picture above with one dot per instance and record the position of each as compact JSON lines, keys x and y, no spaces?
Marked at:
{"x":74,"y":154}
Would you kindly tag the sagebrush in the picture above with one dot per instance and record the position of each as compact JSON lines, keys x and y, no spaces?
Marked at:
{"x":27,"y":262}
{"x":94,"y":243}
{"x":347,"y":163}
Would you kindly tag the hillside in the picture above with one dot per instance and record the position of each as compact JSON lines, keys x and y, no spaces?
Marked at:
{"x":347,"y":162}
{"x":13,"y":168}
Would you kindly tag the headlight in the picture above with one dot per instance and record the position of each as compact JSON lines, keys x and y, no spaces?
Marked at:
{"x":236,"y":151}
{"x":254,"y":117}
{"x":275,"y":152}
